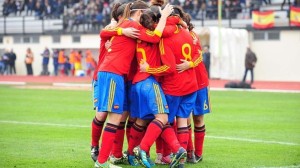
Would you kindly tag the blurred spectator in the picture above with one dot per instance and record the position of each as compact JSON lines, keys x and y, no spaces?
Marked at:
{"x":72,"y":57}
{"x":30,"y":7}
{"x":5,"y":60}
{"x":206,"y":60}
{"x":250,"y":61}
{"x":61,"y":62}
{"x":106,"y":13}
{"x":97,"y":21}
{"x":45,"y":62}
{"x":47,"y":9}
{"x":39,"y":10}
{"x":55,"y":61}
{"x":90,"y":63}
{"x":58,"y":8}
{"x":267,"y":2}
{"x":227,"y":9}
{"x":11,"y":62}
{"x":78,"y":58}
{"x":79,"y":19}
{"x":28,"y":61}
{"x":1,"y":65}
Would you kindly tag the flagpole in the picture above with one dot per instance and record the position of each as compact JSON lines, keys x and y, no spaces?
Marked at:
{"x":219,"y":28}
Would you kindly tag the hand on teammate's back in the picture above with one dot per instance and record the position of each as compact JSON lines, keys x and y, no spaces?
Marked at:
{"x":130,"y":32}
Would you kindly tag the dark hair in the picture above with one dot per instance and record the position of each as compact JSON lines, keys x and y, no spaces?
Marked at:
{"x":148,"y":20}
{"x":117,"y":11}
{"x":155,"y":10}
{"x":157,"y":2}
{"x":178,"y":11}
{"x":187,"y":18}
{"x":132,"y":7}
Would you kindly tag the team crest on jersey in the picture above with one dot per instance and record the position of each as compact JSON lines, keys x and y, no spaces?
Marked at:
{"x":116,"y":107}
{"x":166,"y":106}
{"x":95,"y":100}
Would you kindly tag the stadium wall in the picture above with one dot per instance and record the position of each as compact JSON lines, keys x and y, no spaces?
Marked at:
{"x":277,"y":59}
{"x":90,"y":42}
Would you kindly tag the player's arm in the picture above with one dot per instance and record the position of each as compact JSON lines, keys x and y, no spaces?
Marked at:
{"x":167,"y":59}
{"x":154,"y":36}
{"x":118,"y":31}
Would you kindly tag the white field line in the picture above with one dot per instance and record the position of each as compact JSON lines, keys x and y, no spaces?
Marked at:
{"x":292,"y":166}
{"x":252,"y":140}
{"x":44,"y":124}
{"x":255,"y":90}
{"x":12,"y":83}
{"x":72,"y":84}
{"x":207,"y":136}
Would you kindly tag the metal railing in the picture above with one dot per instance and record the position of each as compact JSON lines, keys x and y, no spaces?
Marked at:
{"x":33,"y":25}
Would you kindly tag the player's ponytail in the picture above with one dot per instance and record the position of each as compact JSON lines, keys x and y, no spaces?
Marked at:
{"x":187,"y":18}
{"x":114,"y":11}
{"x":133,"y":7}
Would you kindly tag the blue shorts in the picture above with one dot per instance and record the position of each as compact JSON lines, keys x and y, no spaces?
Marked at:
{"x":148,"y":99}
{"x":126,"y":106}
{"x":181,"y":106}
{"x":95,"y":88}
{"x":111,"y":92}
{"x":202,"y":105}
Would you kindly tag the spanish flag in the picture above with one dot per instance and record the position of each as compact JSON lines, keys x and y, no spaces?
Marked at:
{"x":295,"y":16}
{"x":262,"y":20}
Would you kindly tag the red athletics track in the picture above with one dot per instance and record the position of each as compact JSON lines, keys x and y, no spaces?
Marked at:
{"x":269,"y":85}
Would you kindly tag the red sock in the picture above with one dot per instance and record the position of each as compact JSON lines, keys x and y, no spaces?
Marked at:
{"x":159,"y":145}
{"x":190,"y":146}
{"x":108,"y":138}
{"x":118,"y":143}
{"x":128,"y":127}
{"x":199,"y":139}
{"x":174,"y":125}
{"x":166,"y":149}
{"x":153,"y":131}
{"x":169,"y":136}
{"x":97,"y":127}
{"x":183,"y":136}
{"x":137,"y":132}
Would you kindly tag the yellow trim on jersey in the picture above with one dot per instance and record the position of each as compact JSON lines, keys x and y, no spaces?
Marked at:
{"x":177,"y":30}
{"x":161,"y":47}
{"x":192,"y":65}
{"x":193,"y":35}
{"x":158,"y":97}
{"x":199,"y":59}
{"x":149,"y":32}
{"x":158,"y":70}
{"x":111,"y":96}
{"x":119,"y":31}
{"x":158,"y":33}
{"x":112,"y":29}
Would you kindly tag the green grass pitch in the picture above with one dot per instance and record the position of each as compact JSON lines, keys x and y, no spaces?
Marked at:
{"x":51,"y":129}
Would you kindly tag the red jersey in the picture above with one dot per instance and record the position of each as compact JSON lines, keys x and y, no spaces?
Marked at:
{"x":102,"y":52}
{"x":150,"y":52}
{"x":201,"y":73}
{"x":172,"y":49}
{"x":119,"y":56}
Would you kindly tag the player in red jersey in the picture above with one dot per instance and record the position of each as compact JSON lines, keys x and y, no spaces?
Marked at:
{"x":148,"y":100}
{"x":202,"y":102}
{"x":115,"y":65}
{"x":100,"y":117}
{"x":180,"y":88}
